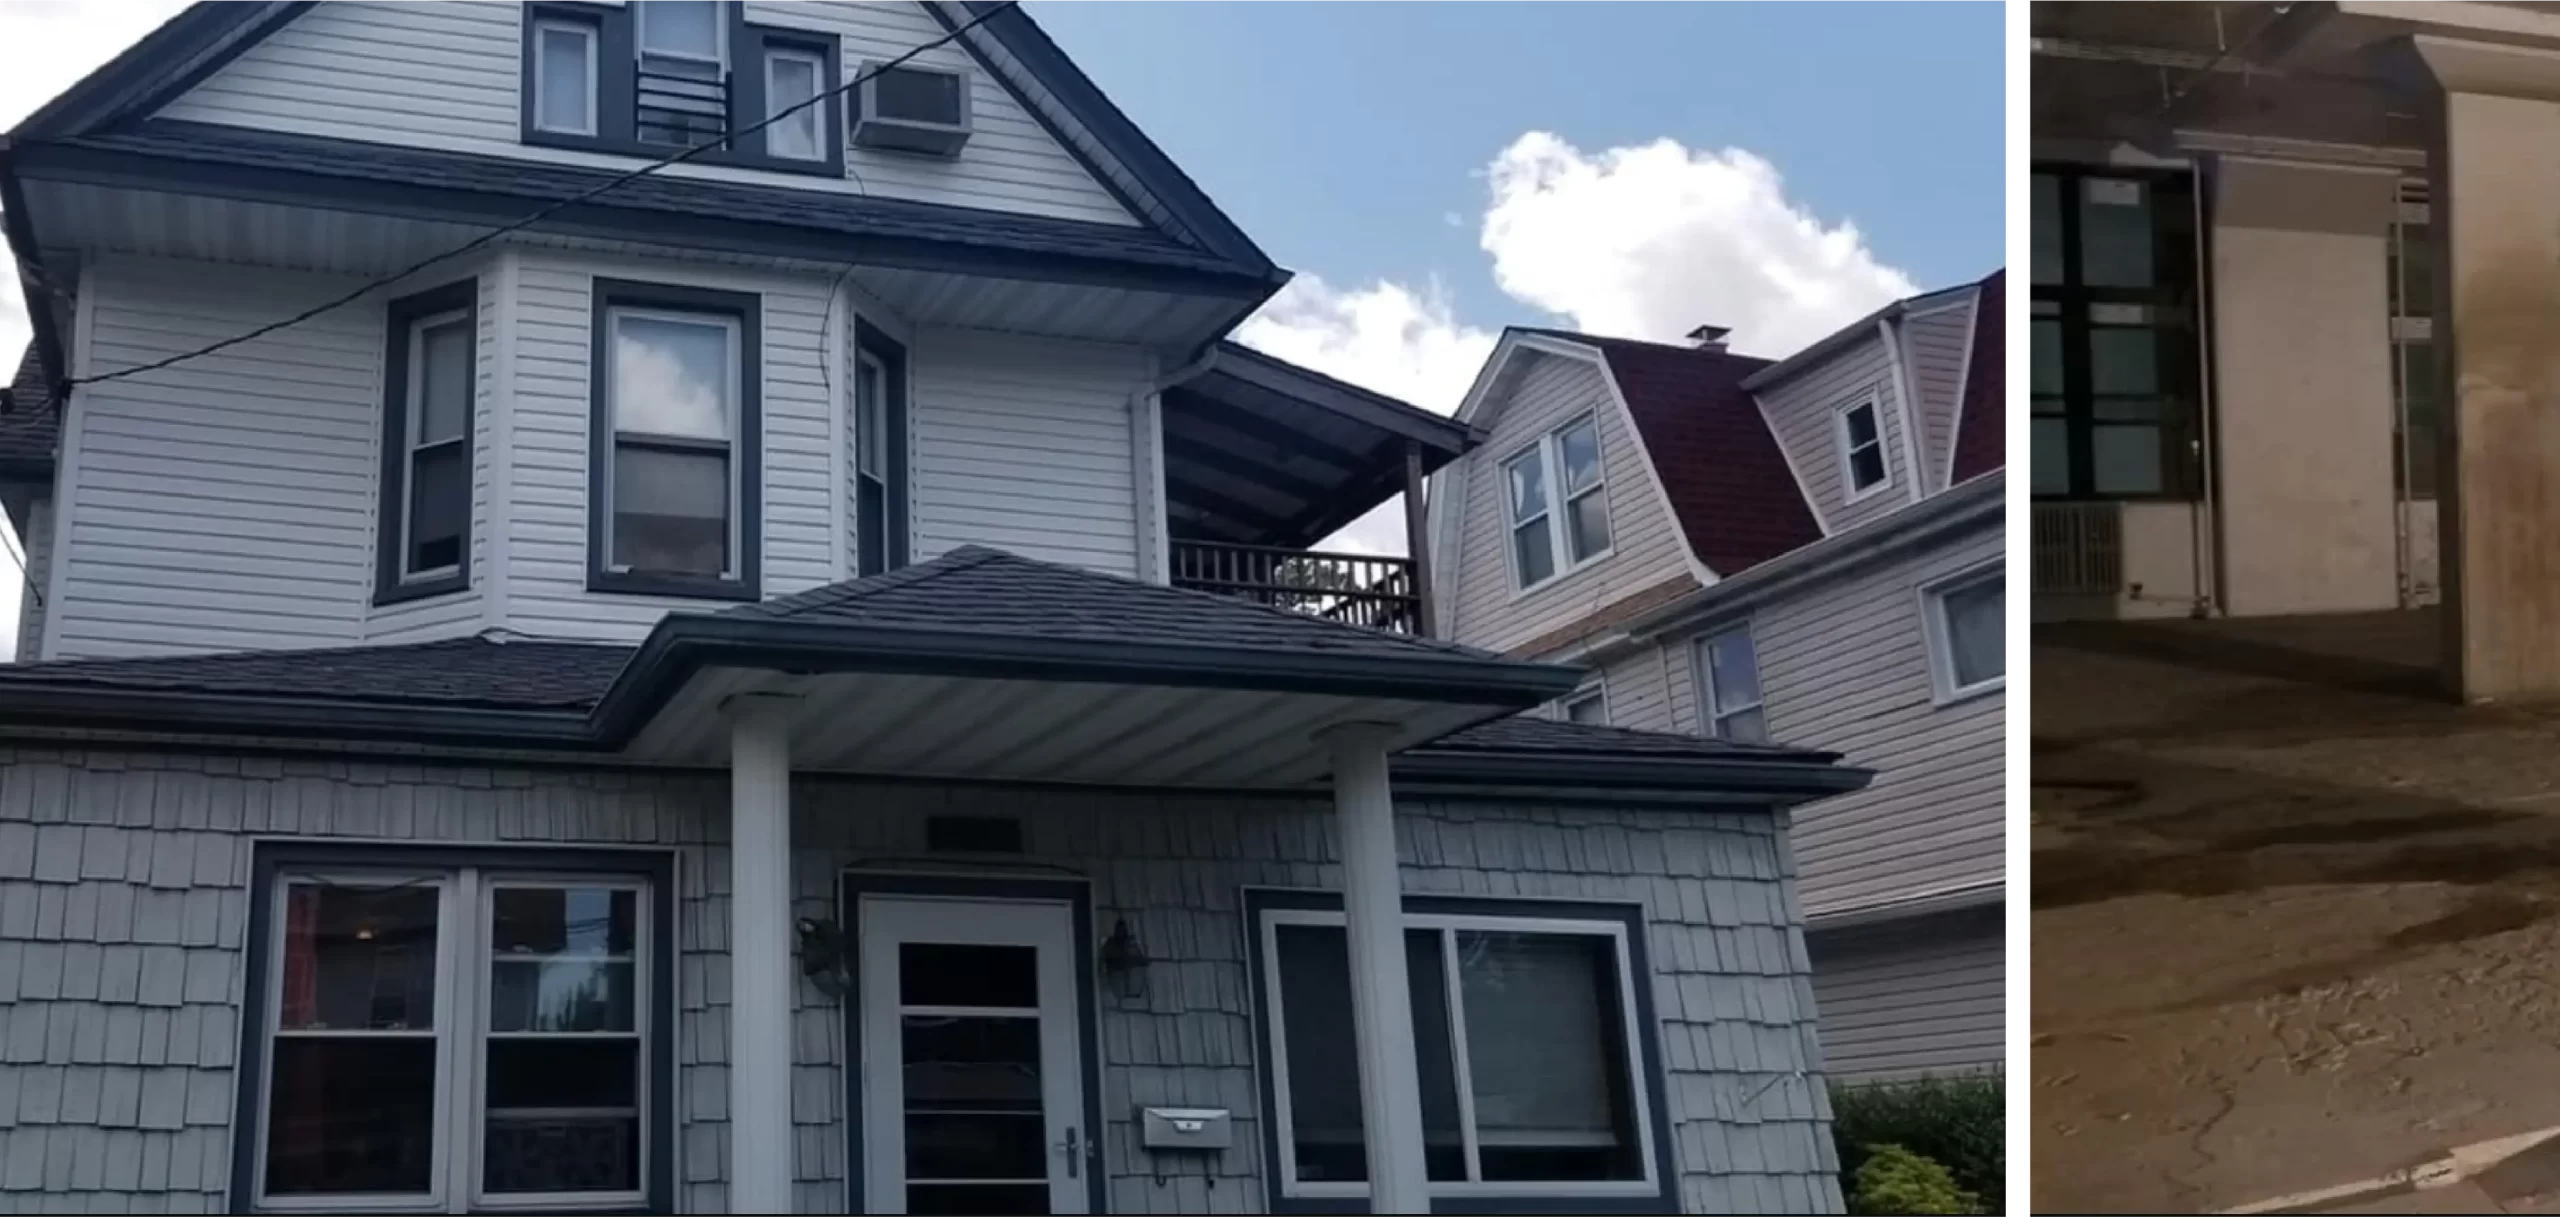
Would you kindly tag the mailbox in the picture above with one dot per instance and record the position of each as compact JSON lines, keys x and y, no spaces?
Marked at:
{"x":1181,"y":1128}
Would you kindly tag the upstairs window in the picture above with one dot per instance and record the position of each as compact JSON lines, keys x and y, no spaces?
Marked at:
{"x":1591,"y":708}
{"x":1862,"y":463}
{"x":683,"y":87}
{"x":1966,"y":619}
{"x":564,"y":77}
{"x":674,"y":485}
{"x":430,"y":368}
{"x":879,"y":451}
{"x":1729,"y":687}
{"x":795,"y":77}
{"x":1559,"y":505}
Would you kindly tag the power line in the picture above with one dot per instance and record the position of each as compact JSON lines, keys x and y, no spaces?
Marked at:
{"x":675,"y":158}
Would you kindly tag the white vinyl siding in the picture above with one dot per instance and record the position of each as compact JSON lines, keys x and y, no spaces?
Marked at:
{"x":1845,"y":666}
{"x":546,"y":542}
{"x":1936,"y":343}
{"x":447,"y":77}
{"x":1024,"y":444}
{"x":1488,"y":610}
{"x":229,"y":504}
{"x":1803,"y":412}
{"x":1906,"y":998}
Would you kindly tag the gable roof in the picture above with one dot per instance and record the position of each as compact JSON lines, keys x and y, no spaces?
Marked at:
{"x":1981,"y":439}
{"x":30,"y":426}
{"x":207,"y":35}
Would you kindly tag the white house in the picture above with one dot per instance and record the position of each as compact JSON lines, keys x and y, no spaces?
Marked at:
{"x":792,"y":680}
{"x":1808,"y":550}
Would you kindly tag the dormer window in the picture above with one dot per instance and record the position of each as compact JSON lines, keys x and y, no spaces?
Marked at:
{"x":1559,"y":504}
{"x":646,"y":79}
{"x":1862,"y":463}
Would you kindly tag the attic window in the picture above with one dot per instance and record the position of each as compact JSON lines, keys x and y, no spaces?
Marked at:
{"x":911,"y":108}
{"x":1861,"y":449}
{"x":1558,"y":504}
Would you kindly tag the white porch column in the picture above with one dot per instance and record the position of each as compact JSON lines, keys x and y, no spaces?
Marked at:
{"x":1381,"y":994}
{"x":760,"y":936}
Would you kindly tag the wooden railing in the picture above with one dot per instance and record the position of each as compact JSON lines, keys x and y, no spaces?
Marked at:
{"x":1355,"y":589}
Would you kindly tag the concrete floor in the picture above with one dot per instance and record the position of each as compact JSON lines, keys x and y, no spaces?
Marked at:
{"x":2296,"y":922}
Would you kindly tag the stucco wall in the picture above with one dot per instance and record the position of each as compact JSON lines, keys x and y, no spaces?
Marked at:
{"x":124,"y":903}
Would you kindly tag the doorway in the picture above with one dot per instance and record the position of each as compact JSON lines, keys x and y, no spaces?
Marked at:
{"x":974,"y":1091}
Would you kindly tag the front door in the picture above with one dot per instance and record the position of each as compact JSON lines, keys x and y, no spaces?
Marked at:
{"x":972,"y":1082}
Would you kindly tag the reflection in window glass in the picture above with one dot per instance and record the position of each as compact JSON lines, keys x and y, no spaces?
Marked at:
{"x":2125,"y":459}
{"x":2124,"y":361}
{"x":2049,"y":456}
{"x":2115,"y":233}
{"x":2045,"y":229}
{"x":1974,"y":611}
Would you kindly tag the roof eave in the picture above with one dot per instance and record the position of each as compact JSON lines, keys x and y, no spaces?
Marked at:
{"x":1790,"y":781}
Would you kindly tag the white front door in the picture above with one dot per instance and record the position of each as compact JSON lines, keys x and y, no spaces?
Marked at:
{"x":972,"y":1082}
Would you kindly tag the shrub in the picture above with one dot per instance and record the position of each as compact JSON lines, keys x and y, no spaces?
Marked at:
{"x":1895,"y":1180}
{"x":1955,"y":1122}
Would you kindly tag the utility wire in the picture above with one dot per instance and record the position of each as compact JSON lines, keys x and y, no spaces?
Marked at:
{"x":676,"y":158}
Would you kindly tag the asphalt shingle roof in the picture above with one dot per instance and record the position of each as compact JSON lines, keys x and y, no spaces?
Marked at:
{"x":974,"y":588}
{"x":458,"y":673}
{"x":29,"y":431}
{"x":1981,"y":434}
{"x":540,"y":182}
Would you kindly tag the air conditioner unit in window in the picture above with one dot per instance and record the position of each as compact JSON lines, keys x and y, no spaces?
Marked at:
{"x":911,"y":109}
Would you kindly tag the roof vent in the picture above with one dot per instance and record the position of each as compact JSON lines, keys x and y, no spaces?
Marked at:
{"x":909,"y":108}
{"x":1709,"y":337}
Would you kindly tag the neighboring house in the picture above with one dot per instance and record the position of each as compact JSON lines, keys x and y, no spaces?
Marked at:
{"x":712,"y":699}
{"x":1808,"y":551}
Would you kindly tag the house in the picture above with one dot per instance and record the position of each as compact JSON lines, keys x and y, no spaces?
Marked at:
{"x":2253,"y":397}
{"x":1807,"y":550}
{"x":794,"y":680}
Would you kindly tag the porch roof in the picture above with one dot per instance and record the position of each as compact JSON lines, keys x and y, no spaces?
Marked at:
{"x":977,"y":664}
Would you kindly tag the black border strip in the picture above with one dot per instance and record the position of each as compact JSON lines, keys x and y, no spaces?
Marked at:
{"x":1077,"y":893}
{"x":658,"y":866}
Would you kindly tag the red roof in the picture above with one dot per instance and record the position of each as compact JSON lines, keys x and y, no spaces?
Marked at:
{"x":1712,"y":450}
{"x":1981,"y":436}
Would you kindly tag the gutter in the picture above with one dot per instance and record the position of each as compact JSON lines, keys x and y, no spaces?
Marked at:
{"x":1786,"y":779}
{"x":1967,"y":504}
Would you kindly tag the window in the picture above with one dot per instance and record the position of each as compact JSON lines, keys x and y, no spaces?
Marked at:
{"x":1562,"y":470}
{"x":795,"y":78}
{"x":2413,"y":351}
{"x":687,"y":36}
{"x":1591,"y":707}
{"x":430,"y":370}
{"x":674,"y":488}
{"x":1729,"y":687}
{"x":1968,"y":648}
{"x":2114,"y":368}
{"x":879,"y":451}
{"x":1536,"y":1078}
{"x":1861,"y":448}
{"x":564,"y":77}
{"x":463,"y":1036}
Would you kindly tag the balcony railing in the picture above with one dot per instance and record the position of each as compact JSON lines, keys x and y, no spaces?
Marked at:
{"x":1355,"y":589}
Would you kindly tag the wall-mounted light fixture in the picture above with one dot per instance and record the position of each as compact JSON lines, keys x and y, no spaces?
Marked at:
{"x":1124,"y":960}
{"x":822,"y":956}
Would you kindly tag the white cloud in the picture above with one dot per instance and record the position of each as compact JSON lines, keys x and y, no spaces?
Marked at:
{"x":1639,"y":242}
{"x":45,"y":47}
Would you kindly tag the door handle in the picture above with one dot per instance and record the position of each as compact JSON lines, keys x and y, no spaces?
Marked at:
{"x":1073,"y":1148}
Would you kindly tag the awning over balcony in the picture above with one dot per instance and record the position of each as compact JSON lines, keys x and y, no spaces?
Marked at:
{"x":1259,"y":451}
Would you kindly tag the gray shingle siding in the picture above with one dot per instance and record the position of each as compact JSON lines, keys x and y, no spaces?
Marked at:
{"x":123,"y":909}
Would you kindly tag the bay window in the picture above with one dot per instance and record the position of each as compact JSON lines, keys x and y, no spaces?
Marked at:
{"x":456,"y":1030}
{"x":674,"y":477}
{"x":1538,"y":1077}
{"x":879,"y":451}
{"x":430,"y":374}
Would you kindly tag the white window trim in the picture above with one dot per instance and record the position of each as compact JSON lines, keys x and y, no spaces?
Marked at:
{"x":414,"y":406}
{"x":1943,"y":689}
{"x":1550,"y":450}
{"x":818,"y":142}
{"x":719,"y":37}
{"x":1598,"y":692}
{"x":462,"y":1084}
{"x":541,"y":79}
{"x":1711,"y":715}
{"x":1850,"y":491}
{"x":1640,"y":1090}
{"x":735,"y":371}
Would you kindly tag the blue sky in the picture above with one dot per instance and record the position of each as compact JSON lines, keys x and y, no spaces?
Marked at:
{"x":1344,"y":136}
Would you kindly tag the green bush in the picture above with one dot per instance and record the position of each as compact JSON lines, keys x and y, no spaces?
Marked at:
{"x":1895,"y":1180}
{"x":1955,"y":1122}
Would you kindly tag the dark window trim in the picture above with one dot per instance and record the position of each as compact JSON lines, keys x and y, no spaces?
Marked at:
{"x":389,"y":553}
{"x":871,"y":340}
{"x":2180,"y":283}
{"x":1666,"y":1199}
{"x":1076,"y":892}
{"x":268,"y":858}
{"x":617,"y":89}
{"x":746,"y":454}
